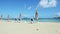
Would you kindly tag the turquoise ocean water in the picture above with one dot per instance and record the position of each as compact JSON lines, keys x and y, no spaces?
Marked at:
{"x":44,"y":20}
{"x":49,"y":20}
{"x":40,"y":19}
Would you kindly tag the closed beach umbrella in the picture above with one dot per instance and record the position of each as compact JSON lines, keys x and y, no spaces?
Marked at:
{"x":8,"y":17}
{"x":20,"y":16}
{"x":36,"y":15}
{"x":0,"y":16}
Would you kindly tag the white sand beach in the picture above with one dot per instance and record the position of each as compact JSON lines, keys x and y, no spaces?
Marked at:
{"x":13,"y":27}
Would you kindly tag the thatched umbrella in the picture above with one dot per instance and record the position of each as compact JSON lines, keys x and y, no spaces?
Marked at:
{"x":36,"y":15}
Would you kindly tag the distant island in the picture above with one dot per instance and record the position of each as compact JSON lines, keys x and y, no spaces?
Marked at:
{"x":57,"y":17}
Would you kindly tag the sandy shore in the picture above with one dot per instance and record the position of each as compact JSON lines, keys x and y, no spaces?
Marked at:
{"x":13,"y":27}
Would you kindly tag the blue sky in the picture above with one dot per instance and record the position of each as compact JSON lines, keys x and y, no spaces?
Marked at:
{"x":46,"y":8}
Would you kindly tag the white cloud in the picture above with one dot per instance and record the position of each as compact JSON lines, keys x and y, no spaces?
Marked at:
{"x":29,"y":8}
{"x":47,"y":3}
